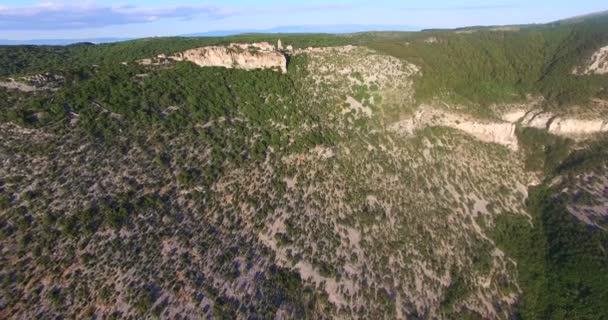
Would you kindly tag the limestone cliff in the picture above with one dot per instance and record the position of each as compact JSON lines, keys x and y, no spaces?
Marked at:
{"x":233,"y":57}
{"x":577,"y":126}
{"x":492,"y":132}
{"x":559,"y":125}
{"x":598,"y":64}
{"x":502,"y":132}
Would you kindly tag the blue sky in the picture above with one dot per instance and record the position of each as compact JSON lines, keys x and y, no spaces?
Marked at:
{"x":27,"y":19}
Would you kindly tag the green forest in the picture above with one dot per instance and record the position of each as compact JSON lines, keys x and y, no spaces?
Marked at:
{"x":562,"y":263}
{"x":479,"y":67}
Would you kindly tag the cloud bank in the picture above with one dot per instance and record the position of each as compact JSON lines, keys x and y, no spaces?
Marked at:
{"x":58,"y":16}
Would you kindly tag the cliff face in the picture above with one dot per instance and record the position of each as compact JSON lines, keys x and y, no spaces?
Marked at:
{"x":563,"y":126}
{"x":502,"y":132}
{"x":493,"y":132}
{"x":598,"y":64}
{"x":577,"y":126}
{"x":234,"y":58}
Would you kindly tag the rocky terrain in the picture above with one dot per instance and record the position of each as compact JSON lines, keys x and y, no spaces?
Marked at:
{"x":502,"y":132}
{"x":147,"y":187}
{"x":348,"y":210}
{"x":240,"y":57}
{"x":46,"y":81}
{"x":597,"y":64}
{"x":589,"y":195}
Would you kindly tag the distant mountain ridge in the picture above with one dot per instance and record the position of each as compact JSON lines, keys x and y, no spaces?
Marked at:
{"x":335,"y":29}
{"x":581,"y":18}
{"x":330,"y":29}
{"x":60,"y":42}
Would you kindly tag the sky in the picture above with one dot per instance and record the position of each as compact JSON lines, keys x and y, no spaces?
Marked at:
{"x":25,"y":19}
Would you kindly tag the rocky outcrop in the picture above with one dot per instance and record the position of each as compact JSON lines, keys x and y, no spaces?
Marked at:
{"x":536,"y":119}
{"x":160,"y":60}
{"x":16,"y":85}
{"x":42,"y":81}
{"x":235,"y":57}
{"x":598,"y":64}
{"x":558,"y":125}
{"x":577,"y":126}
{"x":502,"y":133}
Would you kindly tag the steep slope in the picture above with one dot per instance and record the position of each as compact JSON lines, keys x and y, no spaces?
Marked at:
{"x":562,"y":260}
{"x":395,"y":179}
{"x":597,"y":64}
{"x":254,"y":196}
{"x":502,"y":133}
{"x":234,"y":57}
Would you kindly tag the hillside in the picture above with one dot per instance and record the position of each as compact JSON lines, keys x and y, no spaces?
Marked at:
{"x":442,"y":174}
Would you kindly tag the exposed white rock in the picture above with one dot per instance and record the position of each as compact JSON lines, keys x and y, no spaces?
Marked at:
{"x":43,"y":81}
{"x":558,"y":125}
{"x":263,"y":46}
{"x":514,"y":115}
{"x":492,"y":132}
{"x":15,"y":85}
{"x":232,"y":57}
{"x":571,"y":127}
{"x":500,"y":133}
{"x":598,"y":64}
{"x":537,"y":119}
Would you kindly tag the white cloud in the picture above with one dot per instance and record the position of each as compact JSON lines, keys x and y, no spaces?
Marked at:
{"x":60,"y":16}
